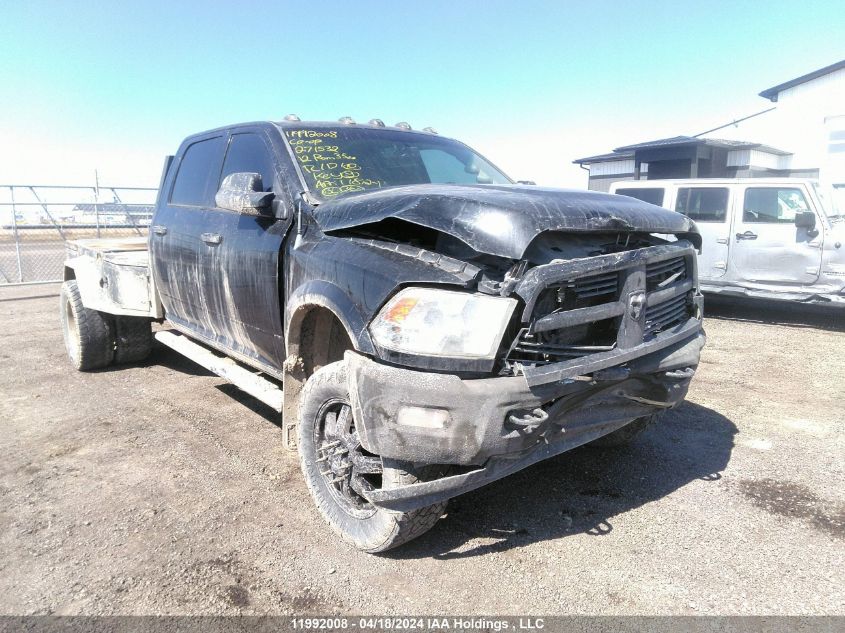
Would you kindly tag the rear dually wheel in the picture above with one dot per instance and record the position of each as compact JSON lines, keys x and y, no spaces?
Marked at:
{"x":88,"y":334}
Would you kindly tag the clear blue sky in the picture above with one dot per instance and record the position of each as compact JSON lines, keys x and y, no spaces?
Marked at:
{"x":116,"y":85}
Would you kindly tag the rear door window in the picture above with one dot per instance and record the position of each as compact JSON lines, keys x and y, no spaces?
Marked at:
{"x":703,"y":204}
{"x":199,"y":170}
{"x":652,"y":195}
{"x":773,"y":205}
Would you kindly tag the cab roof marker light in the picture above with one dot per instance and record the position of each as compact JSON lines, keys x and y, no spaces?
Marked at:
{"x":346,"y":120}
{"x":377,"y":122}
{"x":292,"y":117}
{"x":402,"y":125}
{"x":430,"y":130}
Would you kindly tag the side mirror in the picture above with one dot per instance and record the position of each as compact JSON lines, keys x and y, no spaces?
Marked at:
{"x":805,"y":220}
{"x":244,"y":193}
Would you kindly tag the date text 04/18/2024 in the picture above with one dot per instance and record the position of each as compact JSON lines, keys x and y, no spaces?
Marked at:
{"x":418,"y":624}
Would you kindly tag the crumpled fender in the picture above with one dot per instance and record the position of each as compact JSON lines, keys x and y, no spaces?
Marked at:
{"x":328,"y":295}
{"x":353,"y":278}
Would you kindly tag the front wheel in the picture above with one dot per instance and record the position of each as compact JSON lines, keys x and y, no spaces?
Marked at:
{"x":338,"y":470}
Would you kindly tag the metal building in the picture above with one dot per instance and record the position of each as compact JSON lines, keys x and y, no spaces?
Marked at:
{"x":807,"y":121}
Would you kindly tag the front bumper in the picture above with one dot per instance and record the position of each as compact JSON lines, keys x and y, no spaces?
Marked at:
{"x":489,"y":420}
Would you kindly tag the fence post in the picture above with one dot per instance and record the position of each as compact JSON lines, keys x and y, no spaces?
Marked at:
{"x":15,"y":232}
{"x":96,"y":202}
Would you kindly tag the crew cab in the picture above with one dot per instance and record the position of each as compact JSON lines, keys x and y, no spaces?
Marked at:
{"x":423,"y":324}
{"x":766,"y":238}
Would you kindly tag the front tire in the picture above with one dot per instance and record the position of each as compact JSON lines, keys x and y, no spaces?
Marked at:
{"x":88,"y":334}
{"x":337,"y":469}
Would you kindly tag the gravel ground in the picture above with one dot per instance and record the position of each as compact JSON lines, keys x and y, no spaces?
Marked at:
{"x":159,"y":489}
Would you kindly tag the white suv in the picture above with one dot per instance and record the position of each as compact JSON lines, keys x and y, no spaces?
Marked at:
{"x":763,"y":237}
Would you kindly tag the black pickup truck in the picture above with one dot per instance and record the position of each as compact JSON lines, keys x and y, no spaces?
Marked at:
{"x":423,"y":324}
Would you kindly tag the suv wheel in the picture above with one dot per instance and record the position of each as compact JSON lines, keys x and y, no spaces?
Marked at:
{"x":338,"y":469}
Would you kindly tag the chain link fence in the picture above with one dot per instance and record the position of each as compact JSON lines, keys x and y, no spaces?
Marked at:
{"x":36,"y":220}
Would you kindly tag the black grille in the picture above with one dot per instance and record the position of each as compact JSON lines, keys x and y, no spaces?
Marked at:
{"x":665,"y":315}
{"x":563,"y":344}
{"x":577,"y":293}
{"x":659,"y":272}
{"x":548,"y":335}
{"x":597,"y":286}
{"x":576,"y":341}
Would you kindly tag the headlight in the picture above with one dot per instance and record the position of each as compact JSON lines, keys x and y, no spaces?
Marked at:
{"x":431,"y":322}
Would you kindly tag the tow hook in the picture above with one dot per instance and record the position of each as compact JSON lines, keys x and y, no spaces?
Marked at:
{"x":529,"y":419}
{"x":681,"y":374}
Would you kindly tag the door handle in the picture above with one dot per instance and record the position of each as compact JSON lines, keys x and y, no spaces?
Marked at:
{"x":158,"y":229}
{"x":212,"y":238}
{"x":748,"y":235}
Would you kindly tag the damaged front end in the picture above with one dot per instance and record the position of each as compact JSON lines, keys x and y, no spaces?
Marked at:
{"x":604,"y":327}
{"x":595,"y":344}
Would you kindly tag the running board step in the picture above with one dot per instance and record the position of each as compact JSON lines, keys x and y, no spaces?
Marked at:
{"x":255,"y":385}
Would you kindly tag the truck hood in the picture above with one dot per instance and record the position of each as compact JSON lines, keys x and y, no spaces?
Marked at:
{"x":502,"y":219}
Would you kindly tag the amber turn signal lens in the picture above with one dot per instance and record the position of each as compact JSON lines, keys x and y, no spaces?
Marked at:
{"x":400,"y":310}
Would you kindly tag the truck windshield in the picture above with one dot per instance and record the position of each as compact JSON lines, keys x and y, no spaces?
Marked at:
{"x":342,"y":160}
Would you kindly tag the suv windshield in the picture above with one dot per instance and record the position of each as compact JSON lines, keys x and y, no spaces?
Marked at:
{"x":341,"y":160}
{"x":832,"y":199}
